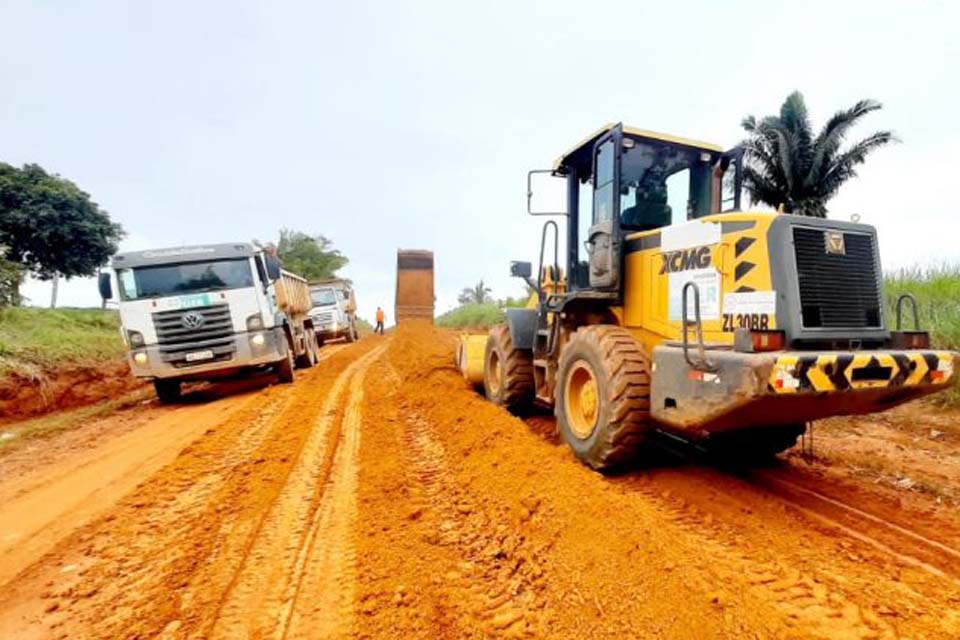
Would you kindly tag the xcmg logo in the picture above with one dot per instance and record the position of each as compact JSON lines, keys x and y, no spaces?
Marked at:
{"x":686,"y":259}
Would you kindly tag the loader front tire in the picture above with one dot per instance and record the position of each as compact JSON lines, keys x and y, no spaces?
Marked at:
{"x":507,"y":371}
{"x":603,"y":396}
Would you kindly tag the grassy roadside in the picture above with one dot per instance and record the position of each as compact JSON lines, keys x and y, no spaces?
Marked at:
{"x":472,"y":316}
{"x":937,"y":290}
{"x":35,"y":340}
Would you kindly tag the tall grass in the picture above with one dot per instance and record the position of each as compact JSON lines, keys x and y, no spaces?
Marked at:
{"x":32,"y":340}
{"x":937,"y":290}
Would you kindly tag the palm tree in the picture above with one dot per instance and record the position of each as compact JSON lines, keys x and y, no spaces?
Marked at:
{"x":785,"y":166}
{"x":477,"y":294}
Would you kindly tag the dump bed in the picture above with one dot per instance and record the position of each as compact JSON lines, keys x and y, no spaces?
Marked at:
{"x":293,"y":294}
{"x":414,"y":299}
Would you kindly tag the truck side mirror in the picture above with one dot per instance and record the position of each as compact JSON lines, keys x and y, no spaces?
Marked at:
{"x":520,"y":269}
{"x":273,"y":268}
{"x":106,"y":289}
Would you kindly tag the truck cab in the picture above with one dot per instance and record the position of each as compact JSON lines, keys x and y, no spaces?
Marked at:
{"x":205,"y":312}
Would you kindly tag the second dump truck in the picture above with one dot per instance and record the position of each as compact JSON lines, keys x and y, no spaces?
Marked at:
{"x":205,"y":312}
{"x":334,"y":310}
{"x":672,"y":311}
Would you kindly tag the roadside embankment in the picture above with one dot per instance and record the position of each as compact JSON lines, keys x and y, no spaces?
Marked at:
{"x":55,"y":359}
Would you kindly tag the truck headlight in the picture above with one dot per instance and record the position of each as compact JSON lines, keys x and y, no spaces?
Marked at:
{"x":140,"y":357}
{"x":255,"y":322}
{"x":257,"y":340}
{"x":135,"y":338}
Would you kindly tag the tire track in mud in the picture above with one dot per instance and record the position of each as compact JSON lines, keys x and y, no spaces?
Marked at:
{"x":894,"y":539}
{"x":496,"y":576}
{"x":280,"y":544}
{"x":815,"y":595}
{"x":326,"y":565}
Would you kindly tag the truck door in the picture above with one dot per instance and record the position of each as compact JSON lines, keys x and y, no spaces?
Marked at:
{"x":603,"y":237}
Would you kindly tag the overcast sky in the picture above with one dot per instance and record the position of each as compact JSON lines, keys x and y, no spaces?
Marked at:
{"x":391,"y":124}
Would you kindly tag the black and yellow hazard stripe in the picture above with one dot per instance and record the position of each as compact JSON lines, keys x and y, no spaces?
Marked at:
{"x":799,"y":373}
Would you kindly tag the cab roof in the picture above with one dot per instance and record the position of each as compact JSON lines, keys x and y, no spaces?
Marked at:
{"x":580,"y":155}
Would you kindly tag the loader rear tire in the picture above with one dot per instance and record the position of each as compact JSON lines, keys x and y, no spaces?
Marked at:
{"x":603,"y":396}
{"x":507,"y":371}
{"x":753,"y":445}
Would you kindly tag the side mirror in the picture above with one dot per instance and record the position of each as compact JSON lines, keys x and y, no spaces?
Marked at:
{"x":551,"y":196}
{"x":273,"y":268}
{"x":520,"y":269}
{"x":106,"y":289}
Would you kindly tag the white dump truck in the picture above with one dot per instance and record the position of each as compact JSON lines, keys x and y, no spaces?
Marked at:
{"x":211,"y":311}
{"x":334,"y":311}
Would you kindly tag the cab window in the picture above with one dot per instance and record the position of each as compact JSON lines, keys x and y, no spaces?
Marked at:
{"x":603,"y":189}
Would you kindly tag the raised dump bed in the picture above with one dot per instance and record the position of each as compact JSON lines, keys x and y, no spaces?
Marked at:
{"x":414,"y":295}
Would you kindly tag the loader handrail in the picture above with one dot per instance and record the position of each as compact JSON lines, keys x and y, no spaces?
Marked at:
{"x":913,"y":307}
{"x":556,"y":258}
{"x":703,"y":364}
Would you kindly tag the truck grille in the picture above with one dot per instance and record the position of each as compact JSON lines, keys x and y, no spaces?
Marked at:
{"x":324,"y":317}
{"x":180,"y":332}
{"x":838,"y":290}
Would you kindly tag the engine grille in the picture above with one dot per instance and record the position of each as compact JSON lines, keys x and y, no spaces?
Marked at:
{"x":837,"y":290}
{"x":177,"y":337}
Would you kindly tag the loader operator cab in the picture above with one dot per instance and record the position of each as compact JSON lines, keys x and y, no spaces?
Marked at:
{"x":637,"y":181}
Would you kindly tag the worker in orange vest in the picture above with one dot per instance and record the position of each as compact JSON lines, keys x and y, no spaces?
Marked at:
{"x":380,"y":317}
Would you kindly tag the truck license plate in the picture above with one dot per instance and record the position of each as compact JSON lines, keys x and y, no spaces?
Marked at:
{"x":199,"y":355}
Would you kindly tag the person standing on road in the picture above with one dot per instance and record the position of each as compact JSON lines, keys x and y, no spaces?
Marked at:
{"x":380,"y":317}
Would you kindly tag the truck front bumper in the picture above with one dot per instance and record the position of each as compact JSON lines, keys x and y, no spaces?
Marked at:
{"x":759,"y":389}
{"x":246,"y":350}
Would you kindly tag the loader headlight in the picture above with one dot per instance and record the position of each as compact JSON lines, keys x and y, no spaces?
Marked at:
{"x":258,"y":340}
{"x":140,"y":357}
{"x":255,"y":322}
{"x":135,"y":338}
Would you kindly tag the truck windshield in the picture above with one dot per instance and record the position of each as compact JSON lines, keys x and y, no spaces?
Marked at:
{"x":191,"y":277}
{"x":323,"y":297}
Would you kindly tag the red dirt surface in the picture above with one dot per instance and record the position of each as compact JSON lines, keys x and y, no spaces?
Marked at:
{"x":71,"y":386}
{"x":379,"y":497}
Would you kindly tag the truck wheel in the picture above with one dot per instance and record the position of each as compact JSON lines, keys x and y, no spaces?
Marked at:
{"x":507,"y":371}
{"x":309,"y":357}
{"x":603,"y":396}
{"x":168,"y":391}
{"x":285,"y":368}
{"x":753,"y":445}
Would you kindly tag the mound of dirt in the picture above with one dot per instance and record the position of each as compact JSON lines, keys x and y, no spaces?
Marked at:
{"x":24,"y":396}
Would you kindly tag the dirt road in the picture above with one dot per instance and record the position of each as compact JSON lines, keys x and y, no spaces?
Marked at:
{"x":378,"y":497}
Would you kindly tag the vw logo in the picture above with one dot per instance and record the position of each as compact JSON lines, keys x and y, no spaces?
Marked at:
{"x":192,"y":320}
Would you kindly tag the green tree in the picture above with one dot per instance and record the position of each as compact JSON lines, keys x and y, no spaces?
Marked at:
{"x":50,"y":227}
{"x":477,"y":294}
{"x":785,"y":165}
{"x":11,"y":276}
{"x":312,"y":257}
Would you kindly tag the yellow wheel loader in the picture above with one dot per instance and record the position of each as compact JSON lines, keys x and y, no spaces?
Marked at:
{"x":676,"y":312}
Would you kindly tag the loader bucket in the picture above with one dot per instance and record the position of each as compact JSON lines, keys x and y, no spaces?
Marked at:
{"x":469,"y":357}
